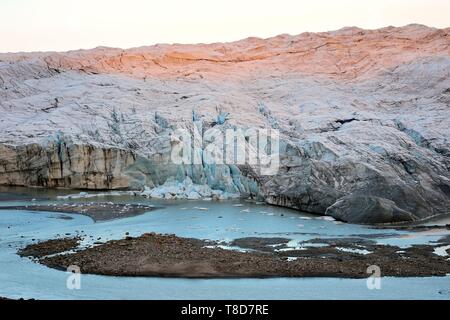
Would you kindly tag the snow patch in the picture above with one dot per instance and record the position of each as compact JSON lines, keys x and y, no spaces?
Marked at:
{"x":352,"y":250}
{"x":442,"y":251}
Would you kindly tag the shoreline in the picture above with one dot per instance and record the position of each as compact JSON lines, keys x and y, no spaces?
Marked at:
{"x":98,"y":211}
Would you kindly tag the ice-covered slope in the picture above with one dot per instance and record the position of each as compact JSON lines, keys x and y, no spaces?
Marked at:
{"x":363,"y":115}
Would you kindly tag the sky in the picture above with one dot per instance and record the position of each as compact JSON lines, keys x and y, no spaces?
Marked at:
{"x":60,"y":25}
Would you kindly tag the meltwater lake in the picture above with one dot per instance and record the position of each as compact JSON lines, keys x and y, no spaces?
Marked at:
{"x":227,"y":220}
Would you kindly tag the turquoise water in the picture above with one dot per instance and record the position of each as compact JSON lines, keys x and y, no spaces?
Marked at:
{"x":20,"y":277}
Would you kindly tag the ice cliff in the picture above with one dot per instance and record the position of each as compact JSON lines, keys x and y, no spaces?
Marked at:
{"x":363,"y":116}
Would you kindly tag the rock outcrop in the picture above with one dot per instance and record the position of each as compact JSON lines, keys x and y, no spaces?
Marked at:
{"x":363,"y":117}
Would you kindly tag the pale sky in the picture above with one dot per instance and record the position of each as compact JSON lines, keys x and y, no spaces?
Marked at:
{"x":44,"y":25}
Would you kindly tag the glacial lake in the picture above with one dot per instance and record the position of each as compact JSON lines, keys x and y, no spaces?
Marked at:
{"x":227,"y":220}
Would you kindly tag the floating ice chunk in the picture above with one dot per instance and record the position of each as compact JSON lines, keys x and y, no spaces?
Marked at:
{"x":83,"y":195}
{"x":326,"y":218}
{"x":201,"y":208}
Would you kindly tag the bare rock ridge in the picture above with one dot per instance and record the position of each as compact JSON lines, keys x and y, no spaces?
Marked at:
{"x":363,"y":116}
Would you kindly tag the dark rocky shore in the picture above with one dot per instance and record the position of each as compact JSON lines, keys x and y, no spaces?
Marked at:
{"x":98,"y":211}
{"x":171,"y":256}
